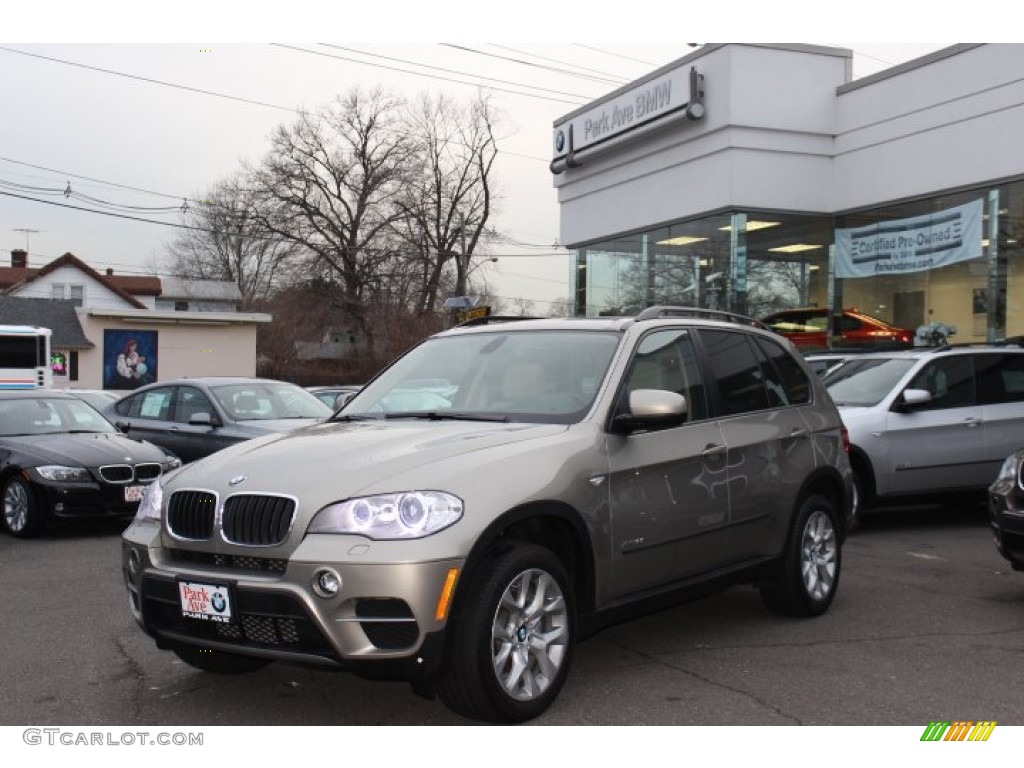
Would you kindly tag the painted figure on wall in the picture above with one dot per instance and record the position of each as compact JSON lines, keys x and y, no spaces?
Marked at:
{"x":129,"y":359}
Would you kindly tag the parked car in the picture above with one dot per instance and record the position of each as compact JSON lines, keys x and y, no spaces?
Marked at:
{"x":929,"y":421}
{"x":808,"y":328}
{"x":335,"y":396}
{"x":822,"y":362}
{"x":579,"y":467}
{"x":196,"y":417}
{"x":1006,"y":509}
{"x":61,"y":459}
{"x":100,"y":399}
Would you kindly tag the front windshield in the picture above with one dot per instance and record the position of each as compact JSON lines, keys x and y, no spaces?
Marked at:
{"x":538,"y":376}
{"x":262,"y":401}
{"x":865,"y":381}
{"x":49,"y":416}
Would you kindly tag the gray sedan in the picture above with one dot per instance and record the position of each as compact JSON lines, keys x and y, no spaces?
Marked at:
{"x":196,"y":417}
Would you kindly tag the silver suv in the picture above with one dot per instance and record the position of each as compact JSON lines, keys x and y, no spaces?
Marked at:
{"x":464,"y":538}
{"x":930,"y":421}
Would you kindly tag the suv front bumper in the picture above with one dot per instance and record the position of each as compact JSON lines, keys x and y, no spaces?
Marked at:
{"x":386,"y":619}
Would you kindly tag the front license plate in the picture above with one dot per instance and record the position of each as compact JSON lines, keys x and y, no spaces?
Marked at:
{"x":133,"y":492}
{"x":208,"y":602}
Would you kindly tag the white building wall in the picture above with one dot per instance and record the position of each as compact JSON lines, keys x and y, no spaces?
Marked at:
{"x":96,"y":295}
{"x":952,"y":122}
{"x":190,"y":349}
{"x":786,"y":130}
{"x":766,"y":142}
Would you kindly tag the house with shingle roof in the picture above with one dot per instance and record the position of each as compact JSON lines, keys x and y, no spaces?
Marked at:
{"x":189,"y":327}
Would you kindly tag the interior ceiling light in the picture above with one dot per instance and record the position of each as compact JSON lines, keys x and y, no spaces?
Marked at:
{"x":795,"y":248}
{"x":753,"y":226}
{"x":682,"y":240}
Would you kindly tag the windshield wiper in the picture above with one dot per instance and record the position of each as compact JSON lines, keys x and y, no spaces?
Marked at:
{"x":446,"y":416}
{"x":356,"y":417}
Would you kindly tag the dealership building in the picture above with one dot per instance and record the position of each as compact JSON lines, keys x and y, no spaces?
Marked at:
{"x":759,"y":177}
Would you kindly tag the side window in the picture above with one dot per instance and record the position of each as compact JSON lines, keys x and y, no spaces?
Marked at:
{"x":785,"y":373}
{"x":950,"y":380}
{"x":1001,"y":378}
{"x":667,"y":360}
{"x":155,"y":404}
{"x":736,"y":372}
{"x":190,"y":402}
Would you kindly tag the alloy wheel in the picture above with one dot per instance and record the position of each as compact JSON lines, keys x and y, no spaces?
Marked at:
{"x":15,"y":506}
{"x":818,"y":556}
{"x":529,"y":634}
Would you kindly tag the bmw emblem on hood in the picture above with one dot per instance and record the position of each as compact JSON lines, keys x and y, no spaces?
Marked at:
{"x":237,"y":479}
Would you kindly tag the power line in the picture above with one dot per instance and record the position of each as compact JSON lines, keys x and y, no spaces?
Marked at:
{"x":452,"y":71}
{"x":148,"y":80}
{"x":616,"y":78}
{"x":420,"y":74}
{"x":533,"y":64}
{"x":612,"y":53}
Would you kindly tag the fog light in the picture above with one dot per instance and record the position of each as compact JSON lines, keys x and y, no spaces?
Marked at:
{"x":134,"y":562}
{"x":326,"y":583}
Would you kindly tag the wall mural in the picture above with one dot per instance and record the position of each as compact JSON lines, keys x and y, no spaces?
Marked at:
{"x":129,"y":358}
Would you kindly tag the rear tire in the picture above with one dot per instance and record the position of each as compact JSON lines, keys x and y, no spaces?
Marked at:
{"x":809,"y":574}
{"x":218,"y":662}
{"x":513,"y":640}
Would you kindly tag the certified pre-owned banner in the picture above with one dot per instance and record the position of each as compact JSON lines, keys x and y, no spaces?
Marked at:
{"x":910,"y":245}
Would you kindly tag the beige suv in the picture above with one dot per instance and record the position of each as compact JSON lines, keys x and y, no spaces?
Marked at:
{"x":464,"y":537}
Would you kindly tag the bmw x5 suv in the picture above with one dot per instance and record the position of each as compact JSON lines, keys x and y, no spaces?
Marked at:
{"x":464,"y":541}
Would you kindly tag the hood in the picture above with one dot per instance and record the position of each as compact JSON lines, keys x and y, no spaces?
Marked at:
{"x":89,"y":450}
{"x":338,"y":459}
{"x":258,"y":427}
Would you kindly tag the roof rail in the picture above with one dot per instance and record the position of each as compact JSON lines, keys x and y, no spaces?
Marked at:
{"x":494,"y":319}
{"x":653,"y":313}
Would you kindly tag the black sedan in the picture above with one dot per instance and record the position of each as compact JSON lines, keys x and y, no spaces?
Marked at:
{"x":1006,"y":510}
{"x":60,"y":459}
{"x":193,"y":418}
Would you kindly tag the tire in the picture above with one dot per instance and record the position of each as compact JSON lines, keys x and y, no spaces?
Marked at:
{"x":218,"y":662}
{"x":510,"y":656}
{"x":809,"y":572}
{"x":22,"y":516}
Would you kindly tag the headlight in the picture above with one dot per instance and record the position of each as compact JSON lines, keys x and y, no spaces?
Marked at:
{"x":390,"y":516}
{"x":152,"y":500}
{"x":1009,"y":469}
{"x":64,"y":474}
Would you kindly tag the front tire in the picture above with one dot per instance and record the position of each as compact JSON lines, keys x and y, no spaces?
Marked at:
{"x":22,"y":516}
{"x":218,"y":662}
{"x":809,"y":575}
{"x":513,"y":640}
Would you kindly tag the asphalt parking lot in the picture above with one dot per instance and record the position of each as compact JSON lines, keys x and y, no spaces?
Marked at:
{"x":928,"y":624}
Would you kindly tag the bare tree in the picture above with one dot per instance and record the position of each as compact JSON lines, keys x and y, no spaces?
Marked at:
{"x":448,"y":202}
{"x":226,"y":240}
{"x":329,"y":185}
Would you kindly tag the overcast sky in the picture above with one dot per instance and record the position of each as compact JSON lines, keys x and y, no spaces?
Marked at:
{"x":124,"y":121}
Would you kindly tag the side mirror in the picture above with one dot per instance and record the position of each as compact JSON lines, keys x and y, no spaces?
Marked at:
{"x":651,"y":409}
{"x":912,"y":397}
{"x":204,"y":420}
{"x":341,"y":400}
{"x":122,"y":426}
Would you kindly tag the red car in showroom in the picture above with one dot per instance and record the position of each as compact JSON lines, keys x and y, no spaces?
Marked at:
{"x":808,"y":328}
